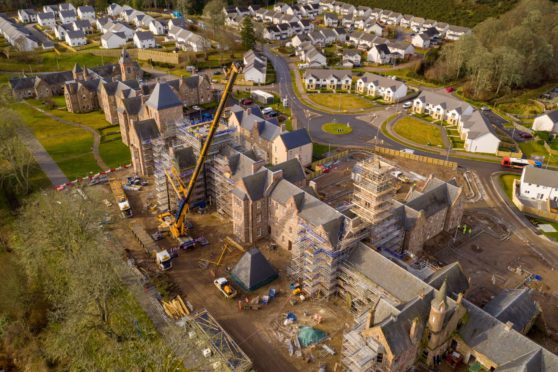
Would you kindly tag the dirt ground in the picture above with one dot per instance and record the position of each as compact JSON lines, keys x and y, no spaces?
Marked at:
{"x":260,"y":333}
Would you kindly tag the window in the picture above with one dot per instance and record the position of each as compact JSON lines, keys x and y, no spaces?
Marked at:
{"x":379,"y":358}
{"x":259,"y":232}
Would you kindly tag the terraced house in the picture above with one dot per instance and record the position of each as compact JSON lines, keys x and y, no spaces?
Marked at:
{"x":327,"y":79}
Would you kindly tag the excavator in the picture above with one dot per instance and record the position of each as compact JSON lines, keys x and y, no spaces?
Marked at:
{"x":176,"y":223}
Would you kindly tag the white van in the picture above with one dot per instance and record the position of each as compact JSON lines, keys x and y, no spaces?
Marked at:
{"x":267,"y":110}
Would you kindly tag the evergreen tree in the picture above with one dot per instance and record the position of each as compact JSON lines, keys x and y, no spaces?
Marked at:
{"x":248,"y":34}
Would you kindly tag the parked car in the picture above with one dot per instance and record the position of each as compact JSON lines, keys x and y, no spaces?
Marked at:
{"x":525,"y":135}
{"x":484,"y":108}
{"x":196,"y":108}
{"x":246,"y":101}
{"x":450,"y":89}
{"x":408,"y":151}
{"x":407,"y":104}
{"x":217,"y":72}
{"x":267,"y":110}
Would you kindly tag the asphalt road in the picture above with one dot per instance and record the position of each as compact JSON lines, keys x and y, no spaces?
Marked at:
{"x":364,"y":131}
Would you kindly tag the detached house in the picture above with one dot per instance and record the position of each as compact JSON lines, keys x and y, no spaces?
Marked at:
{"x":60,"y":31}
{"x":390,"y":90}
{"x":331,"y":20}
{"x":476,"y":131}
{"x":112,"y":40}
{"x":293,"y":145}
{"x":456,"y":32}
{"x":83,"y":25}
{"x":114,"y":10}
{"x":75,"y":38}
{"x":547,"y":122}
{"x":144,"y":40}
{"x":539,"y":184}
{"x":255,"y":67}
{"x":86,"y":12}
{"x":27,"y":15}
{"x":381,"y":54}
{"x":67,"y":16}
{"x":327,"y":79}
{"x":46,"y":19}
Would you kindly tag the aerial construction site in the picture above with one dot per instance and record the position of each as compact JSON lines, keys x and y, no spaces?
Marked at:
{"x":266,"y":260}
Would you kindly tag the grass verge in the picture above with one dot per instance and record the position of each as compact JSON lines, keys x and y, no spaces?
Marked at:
{"x":418,"y":131}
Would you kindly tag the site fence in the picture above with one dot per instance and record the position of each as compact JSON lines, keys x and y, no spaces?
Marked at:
{"x":421,"y":158}
{"x":143,"y":55}
{"x":511,"y":154}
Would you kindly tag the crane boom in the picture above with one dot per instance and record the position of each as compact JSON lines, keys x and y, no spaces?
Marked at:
{"x":178,"y":228}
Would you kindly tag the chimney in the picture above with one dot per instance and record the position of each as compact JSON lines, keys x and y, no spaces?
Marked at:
{"x":509,"y":326}
{"x":459,"y":298}
{"x":413,"y":333}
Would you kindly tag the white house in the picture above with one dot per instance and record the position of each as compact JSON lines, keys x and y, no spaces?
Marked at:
{"x":50,"y":9}
{"x":375,"y":29}
{"x":255,"y":67}
{"x":114,"y":10}
{"x":83,"y":25}
{"x":539,"y":184}
{"x":67,"y":16}
{"x":144,"y":40}
{"x":60,"y":31}
{"x":292,"y":145}
{"x":331,"y":20}
{"x":66,"y":6}
{"x":441,"y":107}
{"x":351,"y":58}
{"x":327,"y":79}
{"x":156,"y":27}
{"x":46,"y":19}
{"x":112,"y":40}
{"x":27,"y":15}
{"x":75,"y":38}
{"x":390,"y":90}
{"x":475,"y":131}
{"x":456,"y":32}
{"x":403,"y":48}
{"x":121,"y":27}
{"x":86,"y":12}
{"x":547,"y":122}
{"x":380,"y":54}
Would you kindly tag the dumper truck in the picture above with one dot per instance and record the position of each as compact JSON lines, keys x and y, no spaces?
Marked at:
{"x":120,"y":197}
{"x":163,"y":259}
{"x":225,"y":287}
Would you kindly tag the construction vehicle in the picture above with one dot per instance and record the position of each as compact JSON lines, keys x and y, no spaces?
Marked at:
{"x":225,"y":287}
{"x":163,"y":260}
{"x":176,"y":222}
{"x":120,"y":197}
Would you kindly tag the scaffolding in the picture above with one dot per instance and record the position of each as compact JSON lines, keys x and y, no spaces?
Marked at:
{"x":373,"y":203}
{"x":359,"y":354}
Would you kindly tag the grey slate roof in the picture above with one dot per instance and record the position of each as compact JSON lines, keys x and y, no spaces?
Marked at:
{"x":184,"y":158}
{"x":292,"y":170}
{"x":296,"y":138}
{"x":514,"y":305}
{"x":163,"y":97}
{"x":540,"y":176}
{"x":454,"y":276}
{"x":67,"y":13}
{"x":144,"y":35}
{"x":381,"y":81}
{"x":75,"y":34}
{"x":253,"y":270}
{"x":146,"y":130}
{"x":133,"y":105}
{"x":552,"y":115}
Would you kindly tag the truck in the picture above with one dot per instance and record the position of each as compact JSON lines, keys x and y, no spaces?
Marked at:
{"x":163,"y":259}
{"x":120,"y":197}
{"x":225,"y":287}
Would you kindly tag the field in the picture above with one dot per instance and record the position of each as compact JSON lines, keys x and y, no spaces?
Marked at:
{"x":341,"y":101}
{"x":337,"y":128}
{"x":419,"y":132}
{"x":69,"y":147}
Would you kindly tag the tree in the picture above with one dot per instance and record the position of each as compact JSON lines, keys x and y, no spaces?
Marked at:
{"x":247,"y":33}
{"x":183,"y":6}
{"x":136,"y":4}
{"x":16,"y":159}
{"x":213,"y":11}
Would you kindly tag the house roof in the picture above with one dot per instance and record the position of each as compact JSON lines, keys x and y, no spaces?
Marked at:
{"x":163,"y":97}
{"x":144,"y":35}
{"x":381,"y":81}
{"x":86,"y":9}
{"x":67,"y":13}
{"x":45,"y":16}
{"x":514,"y":305}
{"x":540,"y":176}
{"x":453,"y":276}
{"x":75,"y":34}
{"x":146,"y":130}
{"x":552,"y":115}
{"x":292,"y":170}
{"x":296,"y":138}
{"x":326,"y":73}
{"x":133,"y":105}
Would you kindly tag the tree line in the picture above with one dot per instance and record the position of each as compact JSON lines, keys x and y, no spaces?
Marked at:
{"x":519,"y":49}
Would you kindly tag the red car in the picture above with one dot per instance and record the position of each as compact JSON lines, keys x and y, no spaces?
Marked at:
{"x":450,"y":89}
{"x":246,"y":101}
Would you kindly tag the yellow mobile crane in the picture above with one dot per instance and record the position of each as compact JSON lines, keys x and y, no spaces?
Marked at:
{"x":176,"y":223}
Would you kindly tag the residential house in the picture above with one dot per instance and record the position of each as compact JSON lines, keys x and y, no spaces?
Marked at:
{"x":156,"y":27}
{"x":75,"y":38}
{"x":425,"y":38}
{"x":60,"y":31}
{"x":393,"y":18}
{"x":66,"y":6}
{"x":403,"y":48}
{"x":317,"y":38}
{"x":112,"y":40}
{"x":390,"y":90}
{"x":50,"y":9}
{"x":272,"y":33}
{"x":114,"y":10}
{"x":19,"y":36}
{"x":86,"y":12}
{"x":121,"y":27}
{"x":351,"y":58}
{"x":367,"y":41}
{"x":416,"y":24}
{"x":298,"y":39}
{"x":456,"y":32}
{"x":330,"y":36}
{"x":67,"y":16}
{"x":375,"y":29}
{"x":46,"y":20}
{"x":405,"y":21}
{"x":381,"y":54}
{"x":100,"y":22}
{"x":348,"y":21}
{"x":547,"y":122}
{"x":83,"y":25}
{"x":310,"y":55}
{"x":255,"y":67}
{"x":27,"y":15}
{"x":363,"y":11}
{"x":330,"y":20}
{"x":345,"y":9}
{"x":307,"y":25}
{"x":441,"y":107}
{"x":442,"y":27}
{"x":477,"y":132}
{"x":341,"y":34}
{"x":292,"y":145}
{"x":539,"y":184}
{"x":340,"y":80}
{"x":428,"y":23}
{"x":144,"y":40}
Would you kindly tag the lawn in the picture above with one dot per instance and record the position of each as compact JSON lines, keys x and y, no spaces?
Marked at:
{"x":536,"y":221}
{"x":319,"y":151}
{"x":69,"y":147}
{"x":341,"y":101}
{"x":337,"y":128}
{"x":533,"y":148}
{"x":506,"y":180}
{"x":419,"y":132}
{"x":521,"y":108}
